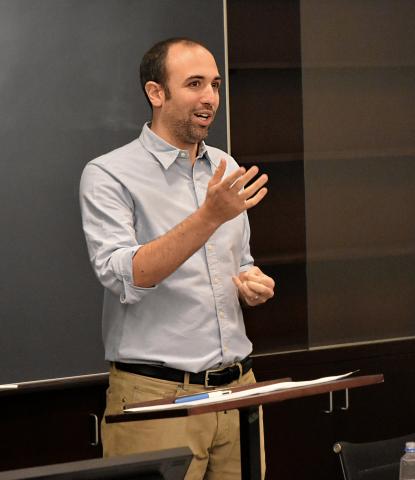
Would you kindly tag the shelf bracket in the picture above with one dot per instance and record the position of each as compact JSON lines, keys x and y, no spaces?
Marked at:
{"x":346,"y":400}
{"x":330,"y":410}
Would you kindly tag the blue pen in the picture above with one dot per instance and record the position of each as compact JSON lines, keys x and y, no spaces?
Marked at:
{"x":202,"y":396}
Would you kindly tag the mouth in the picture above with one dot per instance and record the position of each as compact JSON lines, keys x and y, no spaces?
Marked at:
{"x":204,"y":118}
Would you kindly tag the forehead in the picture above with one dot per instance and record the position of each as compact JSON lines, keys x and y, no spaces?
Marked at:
{"x":184,"y":61}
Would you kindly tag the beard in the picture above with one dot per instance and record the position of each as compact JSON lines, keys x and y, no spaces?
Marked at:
{"x":189,"y":132}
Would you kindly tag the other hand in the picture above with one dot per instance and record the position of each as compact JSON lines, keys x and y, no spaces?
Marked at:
{"x":254,"y":286}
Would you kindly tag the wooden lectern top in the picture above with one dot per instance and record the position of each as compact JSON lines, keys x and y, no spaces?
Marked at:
{"x":240,"y":403}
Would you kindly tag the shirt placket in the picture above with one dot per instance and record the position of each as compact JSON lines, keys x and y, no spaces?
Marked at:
{"x":201,"y":175}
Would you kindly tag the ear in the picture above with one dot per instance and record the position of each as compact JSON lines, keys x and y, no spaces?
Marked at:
{"x":155,"y":93}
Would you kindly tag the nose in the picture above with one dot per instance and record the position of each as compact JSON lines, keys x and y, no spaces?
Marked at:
{"x":210,"y":95}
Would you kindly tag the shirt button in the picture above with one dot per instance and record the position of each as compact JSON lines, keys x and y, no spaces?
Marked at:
{"x":210,"y":247}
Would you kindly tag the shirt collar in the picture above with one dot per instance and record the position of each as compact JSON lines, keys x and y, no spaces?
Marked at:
{"x":165,"y":153}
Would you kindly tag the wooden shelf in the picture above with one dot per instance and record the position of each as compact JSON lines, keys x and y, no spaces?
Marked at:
{"x":354,"y":65}
{"x":235,"y":66}
{"x":264,"y":66}
{"x":269,"y":158}
{"x":333,"y":255}
{"x":360,"y":154}
{"x":334,"y":155}
{"x":281,"y":259}
{"x":361,"y":253}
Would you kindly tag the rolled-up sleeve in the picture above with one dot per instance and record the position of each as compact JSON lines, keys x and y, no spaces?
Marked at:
{"x":108,"y":222}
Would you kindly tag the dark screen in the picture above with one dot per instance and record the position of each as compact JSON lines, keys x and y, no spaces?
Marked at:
{"x":170,"y":464}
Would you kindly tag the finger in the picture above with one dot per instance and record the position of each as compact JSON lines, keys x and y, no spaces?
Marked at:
{"x":259,"y":289}
{"x":253,"y":271}
{"x":262,"y":279}
{"x":255,"y":288}
{"x":256,"y":198}
{"x":219,"y":172}
{"x":254,"y":187}
{"x":232,"y":178}
{"x":243,"y":276}
{"x":237,"y":282}
{"x":248,"y":293}
{"x":241,"y":290}
{"x":246,"y":178}
{"x":256,"y":272}
{"x":244,"y":291}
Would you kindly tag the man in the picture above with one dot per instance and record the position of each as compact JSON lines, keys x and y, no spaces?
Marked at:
{"x":168,"y":237}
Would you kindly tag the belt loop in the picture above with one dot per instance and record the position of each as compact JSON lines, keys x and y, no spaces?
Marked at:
{"x":241,"y":371}
{"x":186,"y":381}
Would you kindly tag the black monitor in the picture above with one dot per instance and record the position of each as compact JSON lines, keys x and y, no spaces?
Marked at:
{"x":171,"y":464}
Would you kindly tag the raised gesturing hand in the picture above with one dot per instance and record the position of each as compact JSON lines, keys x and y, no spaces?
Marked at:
{"x":228,"y":197}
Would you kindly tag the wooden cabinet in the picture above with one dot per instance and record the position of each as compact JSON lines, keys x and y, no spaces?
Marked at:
{"x":301,"y":429}
{"x":56,"y":424}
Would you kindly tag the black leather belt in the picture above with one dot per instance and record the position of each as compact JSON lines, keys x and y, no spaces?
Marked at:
{"x":209,"y":378}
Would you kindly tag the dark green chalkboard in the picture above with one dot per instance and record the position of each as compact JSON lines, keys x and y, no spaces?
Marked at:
{"x":69,"y":91}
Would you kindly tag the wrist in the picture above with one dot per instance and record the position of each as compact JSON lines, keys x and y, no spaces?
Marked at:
{"x":208,"y":218}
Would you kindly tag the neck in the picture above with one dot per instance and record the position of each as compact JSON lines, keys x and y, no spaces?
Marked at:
{"x":168,"y":137}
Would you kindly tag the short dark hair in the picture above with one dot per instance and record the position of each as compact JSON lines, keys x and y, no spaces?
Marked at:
{"x":153,"y":64}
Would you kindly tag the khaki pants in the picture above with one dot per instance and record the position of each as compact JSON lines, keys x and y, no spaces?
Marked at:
{"x":212,"y":437}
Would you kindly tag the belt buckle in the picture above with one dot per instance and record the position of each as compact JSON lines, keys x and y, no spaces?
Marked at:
{"x":208,"y":372}
{"x":237,"y":364}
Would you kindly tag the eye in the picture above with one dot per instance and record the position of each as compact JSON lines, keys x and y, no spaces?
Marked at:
{"x":216,"y":85}
{"x":194,"y":83}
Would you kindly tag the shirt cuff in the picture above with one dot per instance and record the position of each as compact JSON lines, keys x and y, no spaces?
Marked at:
{"x":245,"y":268}
{"x":122,"y":263}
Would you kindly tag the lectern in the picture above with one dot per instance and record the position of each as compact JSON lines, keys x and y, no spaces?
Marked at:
{"x":248,"y":412}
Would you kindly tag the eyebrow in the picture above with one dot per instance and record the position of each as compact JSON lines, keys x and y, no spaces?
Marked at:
{"x":201,"y":77}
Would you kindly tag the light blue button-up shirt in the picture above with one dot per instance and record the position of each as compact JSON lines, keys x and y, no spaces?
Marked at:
{"x":192,"y":320}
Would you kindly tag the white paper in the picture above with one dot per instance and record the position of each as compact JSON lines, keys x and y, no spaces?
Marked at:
{"x":234,"y":395}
